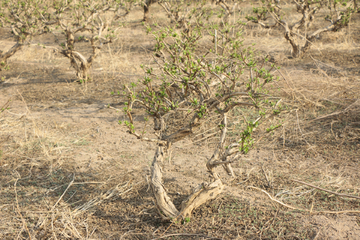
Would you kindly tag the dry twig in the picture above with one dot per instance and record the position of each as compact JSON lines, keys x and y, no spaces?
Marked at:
{"x":186,"y":234}
{"x":302,"y":209}
{"x":325,"y":190}
{"x":19,"y":212}
{"x":62,"y":195}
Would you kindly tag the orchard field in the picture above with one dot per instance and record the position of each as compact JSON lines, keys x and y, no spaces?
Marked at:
{"x":78,"y":139}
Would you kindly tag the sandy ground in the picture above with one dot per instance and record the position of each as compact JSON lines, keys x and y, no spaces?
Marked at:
{"x":62,"y":148}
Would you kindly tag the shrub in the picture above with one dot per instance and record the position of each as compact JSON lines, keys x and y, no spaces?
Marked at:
{"x":205,"y":73}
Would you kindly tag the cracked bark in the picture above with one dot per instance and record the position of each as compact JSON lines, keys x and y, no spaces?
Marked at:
{"x":4,"y":56}
{"x":166,"y":208}
{"x":201,"y":194}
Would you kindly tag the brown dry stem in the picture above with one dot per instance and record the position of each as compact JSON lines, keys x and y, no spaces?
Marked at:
{"x":325,"y":190}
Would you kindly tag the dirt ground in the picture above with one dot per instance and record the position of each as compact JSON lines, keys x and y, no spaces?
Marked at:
{"x":68,"y":170}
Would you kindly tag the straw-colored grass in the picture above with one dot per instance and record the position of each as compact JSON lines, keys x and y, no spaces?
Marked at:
{"x":69,"y":171}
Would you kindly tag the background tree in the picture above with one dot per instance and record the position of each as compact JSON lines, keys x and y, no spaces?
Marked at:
{"x":94,"y":22}
{"x":300,"y":34}
{"x":178,"y":10}
{"x":356,"y":7}
{"x":24,"y":20}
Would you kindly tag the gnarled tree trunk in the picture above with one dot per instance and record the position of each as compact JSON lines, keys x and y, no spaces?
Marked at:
{"x":79,"y":63}
{"x":166,"y":208}
{"x":202,"y":193}
{"x":147,"y":8}
{"x":4,"y":56}
{"x":77,"y":60}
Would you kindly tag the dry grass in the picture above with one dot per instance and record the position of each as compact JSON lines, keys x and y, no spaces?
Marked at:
{"x":68,"y":171}
{"x":38,"y":179}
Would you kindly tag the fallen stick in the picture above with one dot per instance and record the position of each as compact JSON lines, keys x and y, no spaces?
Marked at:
{"x":186,"y":234}
{"x":325,"y":190}
{"x":302,"y":209}
{"x":72,"y":181}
